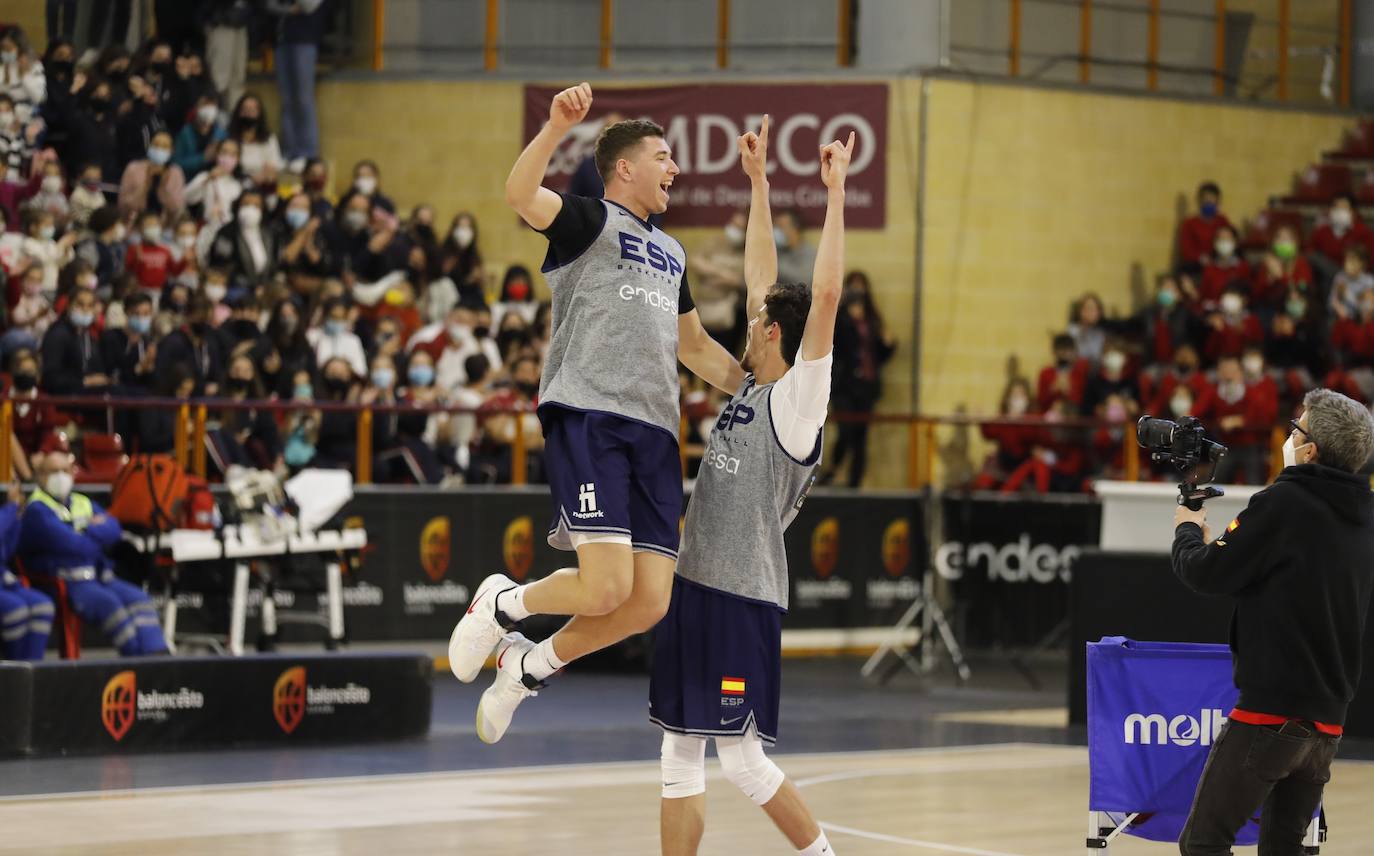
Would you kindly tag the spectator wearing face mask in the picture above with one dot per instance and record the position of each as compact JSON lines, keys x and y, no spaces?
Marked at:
{"x":197,"y":143}
{"x":186,"y":89}
{"x":420,"y":231}
{"x":379,"y":248}
{"x":195,"y":345}
{"x":462,"y":427}
{"x":1223,"y":268}
{"x":395,"y":455}
{"x":131,"y":352}
{"x":248,"y":438}
{"x":460,"y":261}
{"x":139,"y":119}
{"x":1115,"y":417}
{"x":1114,"y":377}
{"x":499,"y":424}
{"x":32,"y":421}
{"x":21,"y":74}
{"x":1088,"y":326}
{"x":1065,"y":379}
{"x":1294,"y":349}
{"x":796,"y":258}
{"x":1352,"y":281}
{"x":242,"y":247}
{"x":154,"y":184}
{"x":149,"y":258}
{"x":31,"y":316}
{"x":862,"y":346}
{"x":259,"y":153}
{"x":1243,"y":413}
{"x":1186,"y":374}
{"x":215,"y":192}
{"x":17,"y":141}
{"x":1233,"y":327}
{"x":516,"y":298}
{"x":335,"y":339}
{"x":315,"y":183}
{"x":307,"y":256}
{"x":92,"y":128}
{"x":48,"y":194}
{"x":71,"y":358}
{"x":336,"y":443}
{"x":1197,"y":234}
{"x":1013,"y":444}
{"x":457,"y":342}
{"x":367,"y":180}
{"x":86,"y":197}
{"x":1166,"y":323}
{"x":1282,"y":269}
{"x":1342,"y":231}
{"x":286,"y":334}
{"x":1352,"y":337}
{"x":45,"y":251}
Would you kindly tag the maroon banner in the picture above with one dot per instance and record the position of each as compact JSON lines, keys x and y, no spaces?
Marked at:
{"x":702,"y":123}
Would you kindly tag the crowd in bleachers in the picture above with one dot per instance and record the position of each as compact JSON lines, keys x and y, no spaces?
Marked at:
{"x":160,"y":240}
{"x":1234,"y":335}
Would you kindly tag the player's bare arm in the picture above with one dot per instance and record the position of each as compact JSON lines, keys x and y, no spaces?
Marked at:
{"x":827,"y":281}
{"x":704,"y":356}
{"x":760,"y":252}
{"x":525,"y":191}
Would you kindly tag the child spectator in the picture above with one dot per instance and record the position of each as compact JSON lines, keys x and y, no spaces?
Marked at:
{"x":154,"y":184}
{"x":1343,"y":231}
{"x":1233,"y":327}
{"x":149,"y":259}
{"x":1198,"y":233}
{"x":1088,"y":328}
{"x":87,"y":196}
{"x":1065,"y":379}
{"x":1281,"y":270}
{"x":1185,"y":374}
{"x":1350,"y":282}
{"x":1222,"y":269}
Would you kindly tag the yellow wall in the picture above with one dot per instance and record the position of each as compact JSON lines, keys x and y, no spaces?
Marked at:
{"x":28,"y":14}
{"x":1036,"y":196}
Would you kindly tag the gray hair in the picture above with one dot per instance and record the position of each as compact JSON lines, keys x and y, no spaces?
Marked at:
{"x":1342,"y":428}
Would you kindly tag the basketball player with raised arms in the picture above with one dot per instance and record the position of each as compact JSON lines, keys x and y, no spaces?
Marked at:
{"x":608,"y":402}
{"x":718,"y":651}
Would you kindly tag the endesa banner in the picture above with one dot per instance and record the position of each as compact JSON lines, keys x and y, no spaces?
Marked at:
{"x":1009,"y":562}
{"x":702,"y":123}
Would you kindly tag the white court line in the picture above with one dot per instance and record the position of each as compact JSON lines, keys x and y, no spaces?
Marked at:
{"x":589,"y":766}
{"x":912,"y":842}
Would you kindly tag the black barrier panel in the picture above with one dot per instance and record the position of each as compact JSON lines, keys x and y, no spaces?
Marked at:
{"x":115,"y":706}
{"x":1009,"y":560}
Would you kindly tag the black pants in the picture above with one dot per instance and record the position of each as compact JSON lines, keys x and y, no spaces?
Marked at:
{"x":1277,"y":770}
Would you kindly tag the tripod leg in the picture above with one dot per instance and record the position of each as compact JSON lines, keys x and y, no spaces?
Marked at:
{"x":956,"y":654}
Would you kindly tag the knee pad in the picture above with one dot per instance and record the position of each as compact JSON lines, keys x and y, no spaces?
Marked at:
{"x":745,"y":765}
{"x":684,"y":765}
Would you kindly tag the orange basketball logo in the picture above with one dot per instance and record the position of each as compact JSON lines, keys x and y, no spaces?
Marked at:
{"x":517,"y":547}
{"x":434,"y":548}
{"x":825,"y":546}
{"x":896,"y":547}
{"x":119,"y":704}
{"x":288,"y":698}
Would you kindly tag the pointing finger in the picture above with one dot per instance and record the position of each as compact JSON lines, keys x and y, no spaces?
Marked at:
{"x":763,"y":130}
{"x":849,"y":146}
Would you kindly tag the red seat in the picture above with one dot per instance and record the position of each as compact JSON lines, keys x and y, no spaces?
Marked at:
{"x":1358,"y":143}
{"x":102,"y":456}
{"x":68,"y":623}
{"x":1259,"y":233}
{"x":1320,"y":183}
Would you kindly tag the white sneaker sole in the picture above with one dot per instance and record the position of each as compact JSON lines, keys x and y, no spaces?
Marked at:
{"x":465,"y":664}
{"x":481,"y":734}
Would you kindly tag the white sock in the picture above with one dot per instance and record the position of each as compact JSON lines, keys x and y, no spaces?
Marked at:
{"x":542,"y":661}
{"x":512,"y":603}
{"x":819,"y":847}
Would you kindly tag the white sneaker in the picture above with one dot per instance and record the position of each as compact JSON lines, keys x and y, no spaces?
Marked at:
{"x":512,"y":686}
{"x":480,"y":629}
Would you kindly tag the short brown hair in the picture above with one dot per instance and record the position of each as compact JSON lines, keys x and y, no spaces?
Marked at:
{"x":616,"y":139}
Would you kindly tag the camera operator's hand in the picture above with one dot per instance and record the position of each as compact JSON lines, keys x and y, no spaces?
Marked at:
{"x":1183,"y":515}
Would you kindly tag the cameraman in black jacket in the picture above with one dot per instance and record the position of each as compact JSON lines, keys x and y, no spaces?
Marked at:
{"x":1299,"y":562}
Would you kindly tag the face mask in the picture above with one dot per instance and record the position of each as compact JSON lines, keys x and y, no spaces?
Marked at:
{"x":335,"y":327}
{"x":303,"y":391}
{"x":1290,"y":452}
{"x":462,"y":236}
{"x":1341,"y":218}
{"x":365,"y":184}
{"x":82,"y":320}
{"x":337,"y":385}
{"x":59,"y":486}
{"x":45,"y":233}
{"x":227,"y":162}
{"x":120,"y":233}
{"x":141,"y":324}
{"x":421,"y":375}
{"x":200,"y":328}
{"x":25,"y":382}
{"x":159,"y":156}
{"x":151,"y":235}
{"x":1226,"y":248}
{"x":315,"y":183}
{"x":1232,"y":304}
{"x":91,"y":184}
{"x":1017,"y":405}
{"x":1231,"y":391}
{"x":383,"y":378}
{"x":1184,"y":369}
{"x":1180,"y":405}
{"x":1208,"y":209}
{"x":288,"y":324}
{"x":161,"y":69}
{"x":238,"y":384}
{"x":735,"y":235}
{"x":296,"y":218}
{"x":1114,"y":362}
{"x":1116,"y":413}
{"x":1253,"y":366}
{"x":187,"y":241}
{"x":779,"y":238}
{"x":459,"y":333}
{"x":52,"y":184}
{"x":1167,"y":299}
{"x":530,"y":390}
{"x":518,"y":290}
{"x":1296,"y":307}
{"x":206,"y":115}
{"x":215,"y":292}
{"x":250,"y":216}
{"x":1285,"y":250}
{"x":355,"y":220}
{"x":481,"y":332}
{"x":9,"y":57}
{"x":100,"y":105}
{"x":6,"y":118}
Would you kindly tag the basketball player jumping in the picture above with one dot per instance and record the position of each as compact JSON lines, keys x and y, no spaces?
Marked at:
{"x":608,"y":401}
{"x":718,"y":651}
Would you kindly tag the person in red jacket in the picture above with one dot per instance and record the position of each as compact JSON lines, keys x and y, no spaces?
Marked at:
{"x":1242,"y":415}
{"x":1197,"y":234}
{"x":1014,"y":443}
{"x":1234,"y":327}
{"x":1065,"y":379}
{"x":1283,"y":268}
{"x":1222,"y":269}
{"x":1185,"y":374}
{"x":1341,"y":231}
{"x":150,"y":260}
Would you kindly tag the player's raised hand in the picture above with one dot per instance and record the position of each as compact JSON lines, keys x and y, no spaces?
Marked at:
{"x":835,"y":162}
{"x":753,"y":152}
{"x":570,"y":106}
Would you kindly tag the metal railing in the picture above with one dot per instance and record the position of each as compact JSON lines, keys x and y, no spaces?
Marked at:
{"x":194,"y":416}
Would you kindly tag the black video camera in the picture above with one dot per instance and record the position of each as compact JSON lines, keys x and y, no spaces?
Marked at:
{"x":1185,"y":446}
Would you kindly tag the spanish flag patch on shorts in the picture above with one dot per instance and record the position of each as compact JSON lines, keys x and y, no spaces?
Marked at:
{"x":732,"y":686}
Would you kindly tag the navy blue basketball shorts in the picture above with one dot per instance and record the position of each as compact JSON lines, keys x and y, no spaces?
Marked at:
{"x":717,"y":664}
{"x":613,"y":479}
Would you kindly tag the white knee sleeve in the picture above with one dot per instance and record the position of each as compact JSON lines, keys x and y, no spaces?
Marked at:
{"x":684,"y":765}
{"x":745,"y":765}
